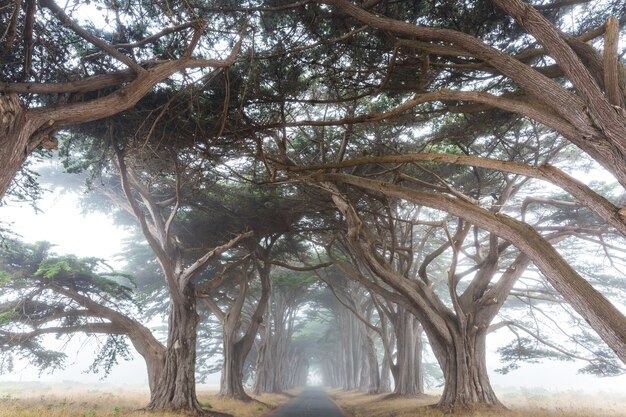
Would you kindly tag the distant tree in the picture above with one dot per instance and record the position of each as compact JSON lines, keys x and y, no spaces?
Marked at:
{"x":238,"y":335}
{"x":279,"y":359}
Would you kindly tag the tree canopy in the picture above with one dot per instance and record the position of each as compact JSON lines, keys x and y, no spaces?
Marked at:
{"x":428,"y":161}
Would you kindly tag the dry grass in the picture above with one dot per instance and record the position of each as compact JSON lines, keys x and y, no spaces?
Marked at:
{"x":71,"y":400}
{"x":572,"y":404}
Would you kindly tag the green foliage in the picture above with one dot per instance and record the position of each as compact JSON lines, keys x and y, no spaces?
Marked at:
{"x":292,"y":279}
{"x":34,"y":281}
{"x":5,"y":277}
{"x":112,"y":349}
{"x":52,"y":269}
{"x":8,"y":316}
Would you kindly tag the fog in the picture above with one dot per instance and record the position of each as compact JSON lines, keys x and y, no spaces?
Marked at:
{"x":62,"y":223}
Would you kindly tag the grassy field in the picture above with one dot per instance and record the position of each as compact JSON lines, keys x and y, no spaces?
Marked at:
{"x":520,"y":404}
{"x":75,"y":400}
{"x":71,"y":400}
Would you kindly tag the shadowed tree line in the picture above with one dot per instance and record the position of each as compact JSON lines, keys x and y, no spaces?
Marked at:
{"x":325,"y":184}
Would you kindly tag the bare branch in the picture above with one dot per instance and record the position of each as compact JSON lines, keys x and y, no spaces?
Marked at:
{"x":302,"y":268}
{"x":194,"y":268}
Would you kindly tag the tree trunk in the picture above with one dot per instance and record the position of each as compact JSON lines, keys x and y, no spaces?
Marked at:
{"x":388,"y":341}
{"x":465,"y":370}
{"x":16,"y":131}
{"x":372,"y":360}
{"x":231,"y":383}
{"x":152,"y":352}
{"x":274,"y":370}
{"x":408,"y":375}
{"x":265,"y":366}
{"x":176,"y":389}
{"x":385,"y":373}
{"x":236,"y":351}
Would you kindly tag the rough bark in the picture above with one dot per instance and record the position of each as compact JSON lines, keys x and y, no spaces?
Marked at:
{"x":231,"y":382}
{"x":407,"y":370}
{"x":16,"y":131}
{"x":465,"y":370}
{"x":176,"y":389}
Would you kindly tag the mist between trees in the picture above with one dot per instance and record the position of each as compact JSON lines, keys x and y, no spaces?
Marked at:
{"x":322,"y":185}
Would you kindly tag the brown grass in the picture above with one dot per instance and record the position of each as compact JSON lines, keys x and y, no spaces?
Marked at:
{"x":70,"y":400}
{"x":357,"y":404}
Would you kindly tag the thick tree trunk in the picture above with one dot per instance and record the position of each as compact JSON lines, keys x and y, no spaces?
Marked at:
{"x":350,"y":350}
{"x":364,"y":366}
{"x":388,"y":339}
{"x":408,"y":369}
{"x":152,"y":351}
{"x":236,"y":350}
{"x":231,"y":383}
{"x":176,"y":389}
{"x":16,"y":131}
{"x":274,"y":367}
{"x":465,"y":371}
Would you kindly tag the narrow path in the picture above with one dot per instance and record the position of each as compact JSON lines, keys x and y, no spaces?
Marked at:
{"x":313,"y":402}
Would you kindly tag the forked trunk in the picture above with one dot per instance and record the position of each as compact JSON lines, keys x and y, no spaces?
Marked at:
{"x":271,"y":358}
{"x":236,"y":351}
{"x":176,"y":389}
{"x":265,"y":366}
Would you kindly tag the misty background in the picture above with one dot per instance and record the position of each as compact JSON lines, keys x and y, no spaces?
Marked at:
{"x":60,"y":220}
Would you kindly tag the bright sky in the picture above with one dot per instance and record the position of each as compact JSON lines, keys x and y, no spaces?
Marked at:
{"x":62,"y":224}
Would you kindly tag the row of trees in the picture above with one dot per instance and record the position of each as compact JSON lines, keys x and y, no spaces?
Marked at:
{"x":420,"y":148}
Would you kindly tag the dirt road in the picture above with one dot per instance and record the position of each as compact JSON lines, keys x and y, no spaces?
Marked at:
{"x":313,"y":402}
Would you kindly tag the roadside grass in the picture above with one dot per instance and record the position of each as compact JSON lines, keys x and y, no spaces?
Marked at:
{"x":71,"y":400}
{"x":519,"y":404}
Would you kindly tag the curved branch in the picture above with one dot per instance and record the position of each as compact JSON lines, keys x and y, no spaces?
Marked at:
{"x":602,"y":316}
{"x":585,"y":195}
